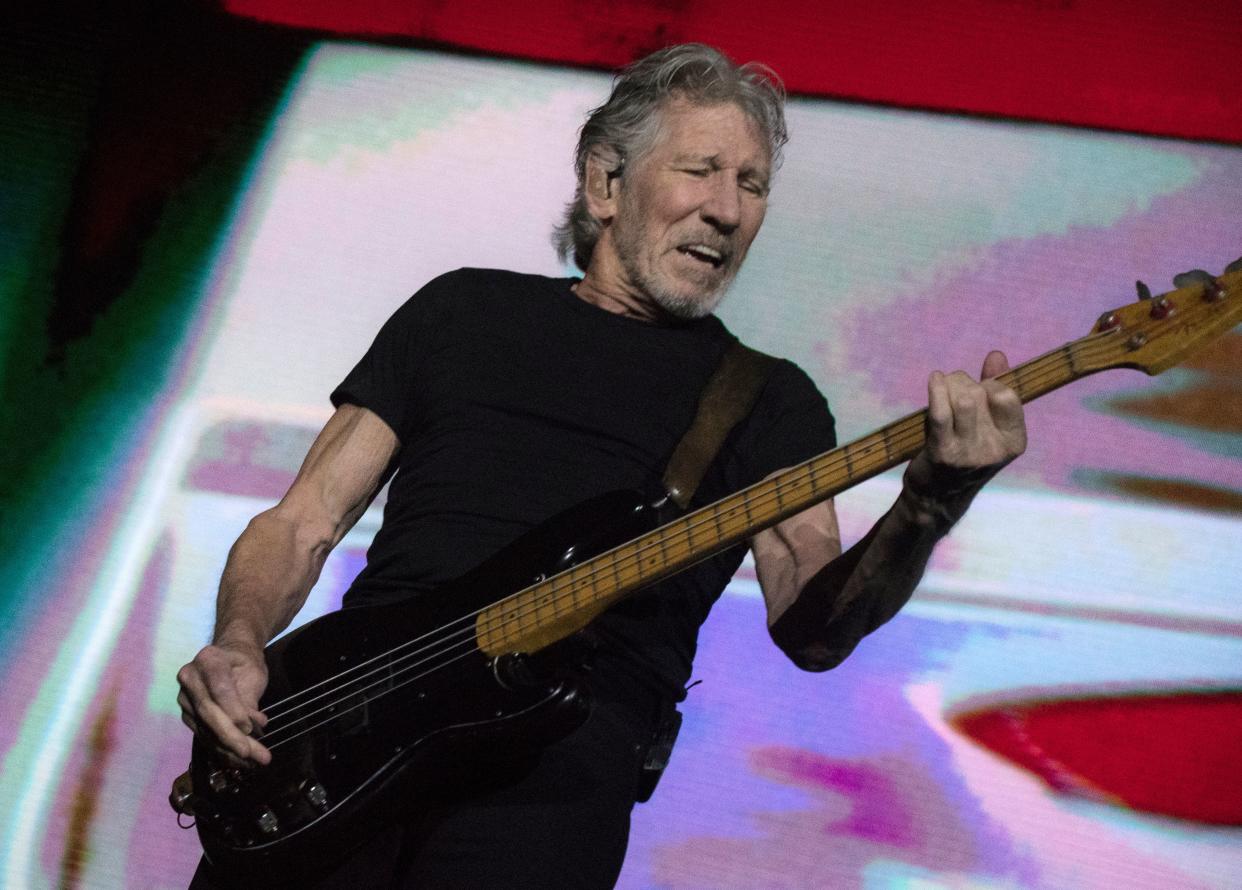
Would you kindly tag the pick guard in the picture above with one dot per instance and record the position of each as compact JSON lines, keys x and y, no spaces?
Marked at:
{"x":372,"y":709}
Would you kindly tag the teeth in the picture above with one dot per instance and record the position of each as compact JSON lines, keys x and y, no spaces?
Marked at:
{"x":703,"y":252}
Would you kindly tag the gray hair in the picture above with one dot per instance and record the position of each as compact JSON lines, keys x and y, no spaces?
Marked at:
{"x":625,"y":127}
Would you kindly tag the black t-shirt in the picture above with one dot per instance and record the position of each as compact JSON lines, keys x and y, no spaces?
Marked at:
{"x":514,"y":400}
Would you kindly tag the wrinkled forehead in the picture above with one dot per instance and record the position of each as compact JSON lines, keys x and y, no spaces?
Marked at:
{"x":715,"y":130}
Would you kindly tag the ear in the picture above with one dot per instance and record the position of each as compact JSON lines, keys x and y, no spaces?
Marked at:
{"x":601,"y":188}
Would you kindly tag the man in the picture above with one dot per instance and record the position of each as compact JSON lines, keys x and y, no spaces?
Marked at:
{"x":550,"y":391}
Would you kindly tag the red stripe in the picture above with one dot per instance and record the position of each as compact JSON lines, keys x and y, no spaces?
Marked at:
{"x":1174,"y":755}
{"x":1152,"y":66}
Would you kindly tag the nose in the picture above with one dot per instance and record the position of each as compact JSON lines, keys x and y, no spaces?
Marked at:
{"x":722,"y":207}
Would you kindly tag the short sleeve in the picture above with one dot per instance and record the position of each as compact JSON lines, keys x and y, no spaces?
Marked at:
{"x":385,"y":380}
{"x":791,"y":423}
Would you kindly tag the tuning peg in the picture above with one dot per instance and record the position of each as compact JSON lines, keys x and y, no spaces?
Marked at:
{"x":1235,"y":266}
{"x":1107,"y":322}
{"x":1144,"y":292}
{"x":1194,"y":276}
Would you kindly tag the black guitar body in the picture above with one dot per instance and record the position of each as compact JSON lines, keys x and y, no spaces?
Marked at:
{"x":373,"y":708}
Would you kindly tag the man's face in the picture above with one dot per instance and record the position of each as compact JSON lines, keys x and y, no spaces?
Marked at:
{"x":689,"y":208}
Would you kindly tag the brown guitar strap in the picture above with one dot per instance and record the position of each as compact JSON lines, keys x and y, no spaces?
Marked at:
{"x":728,"y":397}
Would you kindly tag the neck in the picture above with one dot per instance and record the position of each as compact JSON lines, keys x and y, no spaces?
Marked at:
{"x":617,"y":302}
{"x":605,"y":284}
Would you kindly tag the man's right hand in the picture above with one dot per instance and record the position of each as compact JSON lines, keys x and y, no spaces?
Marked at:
{"x":219,"y":698}
{"x":271,"y":569}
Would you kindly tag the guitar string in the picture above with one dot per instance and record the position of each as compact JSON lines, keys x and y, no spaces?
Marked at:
{"x":518,"y":617}
{"x":273,"y":709}
{"x":469,"y":648}
{"x":458,"y":657}
{"x":801,"y":478}
{"x":797,"y":480}
{"x":335,"y":717}
{"x":369,"y":700}
{"x":1082,"y":347}
{"x":390,"y":674}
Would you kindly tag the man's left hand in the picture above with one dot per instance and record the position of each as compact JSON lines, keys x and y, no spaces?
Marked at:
{"x":974,"y":428}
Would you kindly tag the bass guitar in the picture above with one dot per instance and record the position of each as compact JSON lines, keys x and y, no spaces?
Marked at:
{"x":369,"y":705}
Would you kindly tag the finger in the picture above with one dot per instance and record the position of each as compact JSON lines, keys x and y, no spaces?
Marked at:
{"x":223,"y":689}
{"x":939,"y":411}
{"x":221,"y":676}
{"x":259,"y":753}
{"x":256,"y":754}
{"x":230,"y":738}
{"x":1007,"y":416}
{"x":209,"y":715}
{"x":1002,"y":401}
{"x":994,"y":365}
{"x":966,"y":399}
{"x":187,"y":711}
{"x":190,"y":723}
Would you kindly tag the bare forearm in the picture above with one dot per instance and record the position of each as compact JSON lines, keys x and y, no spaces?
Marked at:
{"x":272,"y":568}
{"x":973,"y":430}
{"x":269,"y":573}
{"x":868,"y":584}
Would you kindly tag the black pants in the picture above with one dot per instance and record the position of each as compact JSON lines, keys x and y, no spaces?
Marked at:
{"x":564,"y":823}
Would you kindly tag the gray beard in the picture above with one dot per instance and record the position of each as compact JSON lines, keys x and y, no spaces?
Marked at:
{"x":631,"y":238}
{"x":689,"y":308}
{"x":686,"y":308}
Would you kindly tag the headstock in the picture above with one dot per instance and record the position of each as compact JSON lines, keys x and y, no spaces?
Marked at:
{"x":1156,"y":333}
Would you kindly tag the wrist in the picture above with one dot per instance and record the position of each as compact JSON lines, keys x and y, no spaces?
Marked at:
{"x":935,"y":498}
{"x":238,"y":636}
{"x":924,"y":513}
{"x":943,"y":482}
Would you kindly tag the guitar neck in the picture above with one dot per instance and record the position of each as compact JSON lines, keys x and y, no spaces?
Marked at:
{"x":553,"y":609}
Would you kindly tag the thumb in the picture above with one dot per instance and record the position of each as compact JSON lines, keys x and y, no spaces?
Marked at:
{"x":994,"y":365}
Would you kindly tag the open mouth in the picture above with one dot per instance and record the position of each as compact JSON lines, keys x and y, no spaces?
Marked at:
{"x":704,"y":254}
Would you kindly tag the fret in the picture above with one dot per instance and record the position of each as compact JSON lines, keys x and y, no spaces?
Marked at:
{"x":1050,"y":371}
{"x":587,"y":586}
{"x":616,"y":572}
{"x":1015,"y":380}
{"x":716,"y":521}
{"x":544,"y":608}
{"x":634,"y":564}
{"x":812,"y":474}
{"x":575,"y":589}
{"x":652,"y":560}
{"x":685,"y":540}
{"x":746,"y":508}
{"x":552,"y":598}
{"x":662,"y":543}
{"x":834,"y":476}
{"x":800,"y":490}
{"x":571,"y":594}
{"x":546,"y":612}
